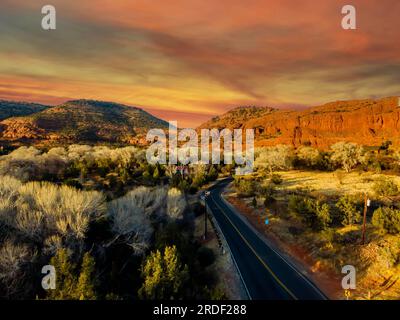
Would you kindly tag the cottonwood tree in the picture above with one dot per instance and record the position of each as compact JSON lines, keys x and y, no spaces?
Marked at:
{"x":29,"y":163}
{"x":13,"y":257}
{"x":308,"y":156}
{"x":65,"y":210}
{"x":9,"y":187}
{"x":132,"y":215}
{"x":130,"y":223}
{"x":37,"y":210}
{"x":347,"y":155}
{"x":176,"y":203}
{"x":279,"y":157}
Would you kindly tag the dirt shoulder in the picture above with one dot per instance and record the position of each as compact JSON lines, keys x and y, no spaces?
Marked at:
{"x":291,"y":248}
{"x":228,"y":278}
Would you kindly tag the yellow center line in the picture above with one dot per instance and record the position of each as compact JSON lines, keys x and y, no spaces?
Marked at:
{"x":255,"y":253}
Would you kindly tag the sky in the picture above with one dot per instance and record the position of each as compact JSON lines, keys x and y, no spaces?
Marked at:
{"x":189,"y":60}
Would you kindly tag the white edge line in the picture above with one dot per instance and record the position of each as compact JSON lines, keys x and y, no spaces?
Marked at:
{"x":261,"y":237}
{"x":230,"y":251}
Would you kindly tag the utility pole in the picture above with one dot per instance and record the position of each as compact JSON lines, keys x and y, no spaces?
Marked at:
{"x":366,"y":205}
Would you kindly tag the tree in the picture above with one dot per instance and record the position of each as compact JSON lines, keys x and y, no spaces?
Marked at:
{"x":51,"y":208}
{"x":323,"y":215}
{"x":65,"y":276}
{"x":164,"y":275}
{"x":279,"y":157}
{"x":314,"y":213}
{"x":176,"y":203}
{"x":387,"y":219}
{"x":156,"y":173}
{"x":308,"y":156}
{"x":70,"y":285}
{"x":9,"y":187}
{"x":246,"y":187}
{"x":85,"y":289}
{"x":386,"y":187}
{"x":13,"y":259}
{"x":385,"y":146}
{"x":267,"y":191}
{"x":212,"y":174}
{"x":254,"y":202}
{"x":347,"y":206}
{"x":40,"y":209}
{"x":347,"y":155}
{"x":130,"y":217}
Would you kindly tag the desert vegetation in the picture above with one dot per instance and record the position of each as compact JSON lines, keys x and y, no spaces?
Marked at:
{"x":106,"y":220}
{"x":119,"y":228}
{"x":315,"y":199}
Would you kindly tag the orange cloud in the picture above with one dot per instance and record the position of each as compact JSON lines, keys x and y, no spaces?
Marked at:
{"x":195,"y":58}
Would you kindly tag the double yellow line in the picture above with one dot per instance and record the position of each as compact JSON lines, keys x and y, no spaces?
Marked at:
{"x":256,"y":254}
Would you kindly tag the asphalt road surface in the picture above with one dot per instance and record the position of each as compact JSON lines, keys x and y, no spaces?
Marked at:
{"x":265,"y":273}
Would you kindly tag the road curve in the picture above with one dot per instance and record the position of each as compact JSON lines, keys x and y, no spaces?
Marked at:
{"x":265,"y":273}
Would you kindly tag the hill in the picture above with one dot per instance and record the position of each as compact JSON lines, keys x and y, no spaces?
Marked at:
{"x":237,"y":117}
{"x":16,"y":109}
{"x":368,"y":122}
{"x":81,"y":121}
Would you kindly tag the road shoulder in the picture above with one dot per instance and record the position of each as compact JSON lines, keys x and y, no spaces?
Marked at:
{"x":328,"y":283}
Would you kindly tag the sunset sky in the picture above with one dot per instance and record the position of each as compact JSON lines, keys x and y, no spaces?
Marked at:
{"x":189,"y":60}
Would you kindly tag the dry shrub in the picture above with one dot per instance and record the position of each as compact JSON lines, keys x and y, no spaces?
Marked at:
{"x":39,"y":209}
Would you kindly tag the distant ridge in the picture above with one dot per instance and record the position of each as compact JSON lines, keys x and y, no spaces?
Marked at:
{"x":81,"y":121}
{"x":367,"y":122}
{"x":16,"y":109}
{"x":237,"y":117}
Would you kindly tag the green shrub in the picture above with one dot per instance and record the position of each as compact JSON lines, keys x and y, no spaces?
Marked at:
{"x":212,"y":174}
{"x":254,"y":202}
{"x":156,"y":173}
{"x":295,"y":203}
{"x":246,"y":187}
{"x":314,"y":213}
{"x":184,"y":186}
{"x":276,"y":179}
{"x":267,"y":192}
{"x":351,"y":236}
{"x":386,"y":187}
{"x":349,"y":210}
{"x":387,"y":219}
{"x":323,"y":215}
{"x":73,"y":183}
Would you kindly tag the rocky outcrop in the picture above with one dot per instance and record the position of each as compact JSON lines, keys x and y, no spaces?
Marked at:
{"x":20,"y":128}
{"x":367,"y":122}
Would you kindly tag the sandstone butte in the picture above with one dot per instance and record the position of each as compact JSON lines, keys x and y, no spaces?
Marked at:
{"x":367,"y":122}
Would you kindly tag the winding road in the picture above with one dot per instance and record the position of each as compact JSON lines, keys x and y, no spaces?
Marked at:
{"x":265,"y":273}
